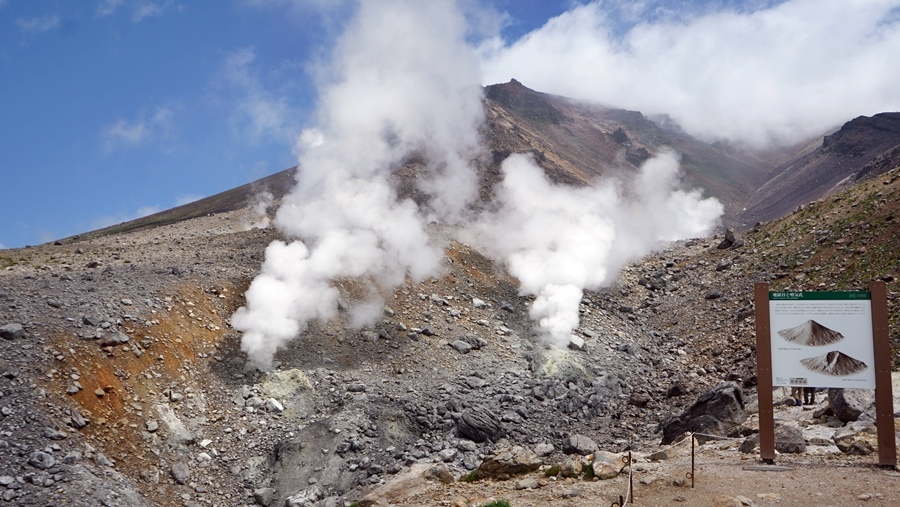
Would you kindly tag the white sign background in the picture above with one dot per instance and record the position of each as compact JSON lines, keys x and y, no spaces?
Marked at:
{"x":851,"y":318}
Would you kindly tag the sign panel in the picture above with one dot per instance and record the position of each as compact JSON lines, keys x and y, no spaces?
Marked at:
{"x":822,"y":339}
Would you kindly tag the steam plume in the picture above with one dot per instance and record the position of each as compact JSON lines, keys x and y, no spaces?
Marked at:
{"x":402,"y":81}
{"x":559,"y":241}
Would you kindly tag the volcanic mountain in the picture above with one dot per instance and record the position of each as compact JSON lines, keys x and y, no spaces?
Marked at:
{"x":124,"y":384}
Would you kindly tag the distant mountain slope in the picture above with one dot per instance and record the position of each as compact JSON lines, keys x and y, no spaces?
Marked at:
{"x":277,"y":184}
{"x":578,"y":142}
{"x":863,"y":147}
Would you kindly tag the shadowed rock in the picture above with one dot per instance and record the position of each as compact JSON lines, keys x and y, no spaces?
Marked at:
{"x":479,"y":424}
{"x":715,"y":412}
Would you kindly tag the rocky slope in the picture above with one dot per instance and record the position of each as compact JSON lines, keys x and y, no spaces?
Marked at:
{"x":862,"y":148}
{"x":126,"y":386}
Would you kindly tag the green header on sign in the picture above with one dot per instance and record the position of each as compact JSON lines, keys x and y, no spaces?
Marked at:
{"x":818,"y":296}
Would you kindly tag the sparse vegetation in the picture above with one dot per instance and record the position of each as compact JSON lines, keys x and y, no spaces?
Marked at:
{"x":497,"y":503}
{"x":469,"y":477}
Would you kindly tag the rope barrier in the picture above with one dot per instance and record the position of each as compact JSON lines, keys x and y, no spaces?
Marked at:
{"x":628,"y":497}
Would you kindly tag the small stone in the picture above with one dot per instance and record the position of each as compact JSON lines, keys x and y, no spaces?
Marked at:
{"x":544,"y":449}
{"x":357,"y":387}
{"x":264,"y":496}
{"x":180,"y":473}
{"x":101,"y":460}
{"x":152,"y":425}
{"x":528,"y":483}
{"x":460,"y":346}
{"x":71,"y":458}
{"x":78,"y":420}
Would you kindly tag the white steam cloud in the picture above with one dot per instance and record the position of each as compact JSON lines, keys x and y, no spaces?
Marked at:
{"x":401,"y":86}
{"x":784,"y":73}
{"x":559,"y":241}
{"x":402,"y":82}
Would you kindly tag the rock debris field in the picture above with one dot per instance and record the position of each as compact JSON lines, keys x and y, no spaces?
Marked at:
{"x":122,"y":384}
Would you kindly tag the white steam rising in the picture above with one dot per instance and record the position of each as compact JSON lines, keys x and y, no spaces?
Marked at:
{"x":402,"y":82}
{"x":402,"y":86}
{"x":559,"y":241}
{"x":259,"y":217}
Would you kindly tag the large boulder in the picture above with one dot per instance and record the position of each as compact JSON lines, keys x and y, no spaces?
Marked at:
{"x":479,"y":424}
{"x":848,"y":404}
{"x":716,"y":412}
{"x":508,"y":462}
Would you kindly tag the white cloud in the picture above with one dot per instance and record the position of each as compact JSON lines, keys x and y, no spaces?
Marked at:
{"x":780,"y":73}
{"x":2,"y":247}
{"x":259,"y":112}
{"x":108,"y":7}
{"x":147,"y":127}
{"x":140,"y":9}
{"x":38,"y":25}
{"x":149,"y":9}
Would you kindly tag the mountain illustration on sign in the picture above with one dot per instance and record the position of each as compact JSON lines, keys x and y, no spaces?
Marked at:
{"x":834,"y":363}
{"x":811,"y":333}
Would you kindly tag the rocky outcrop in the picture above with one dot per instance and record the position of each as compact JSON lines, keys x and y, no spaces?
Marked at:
{"x":715,"y":412}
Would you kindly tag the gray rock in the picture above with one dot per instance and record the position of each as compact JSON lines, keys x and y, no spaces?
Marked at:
{"x":460,"y":346}
{"x":101,"y":460}
{"x":357,"y":387}
{"x":180,"y":473}
{"x":447,"y":455}
{"x":306,"y":498}
{"x":544,"y":449}
{"x":12,"y":331}
{"x":788,"y":440}
{"x":52,"y":434}
{"x":528,"y":483}
{"x":273,"y":405}
{"x":479,"y":424}
{"x":41,"y":460}
{"x":728,"y":241}
{"x":580,"y":444}
{"x":152,"y":426}
{"x":116,"y":338}
{"x":71,"y":458}
{"x":508,"y":462}
{"x":848,"y":404}
{"x":78,"y":420}
{"x":439,"y":473}
{"x":264,"y":496}
{"x":715,"y":412}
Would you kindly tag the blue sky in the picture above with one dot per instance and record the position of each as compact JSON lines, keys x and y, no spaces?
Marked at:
{"x":112,"y":109}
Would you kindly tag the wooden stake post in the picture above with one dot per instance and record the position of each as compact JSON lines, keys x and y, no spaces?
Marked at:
{"x":884,"y":418}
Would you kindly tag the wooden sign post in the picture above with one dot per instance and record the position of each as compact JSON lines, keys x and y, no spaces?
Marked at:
{"x":824,"y":339}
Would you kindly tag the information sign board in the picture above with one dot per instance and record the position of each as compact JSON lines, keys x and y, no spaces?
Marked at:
{"x":822,"y":339}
